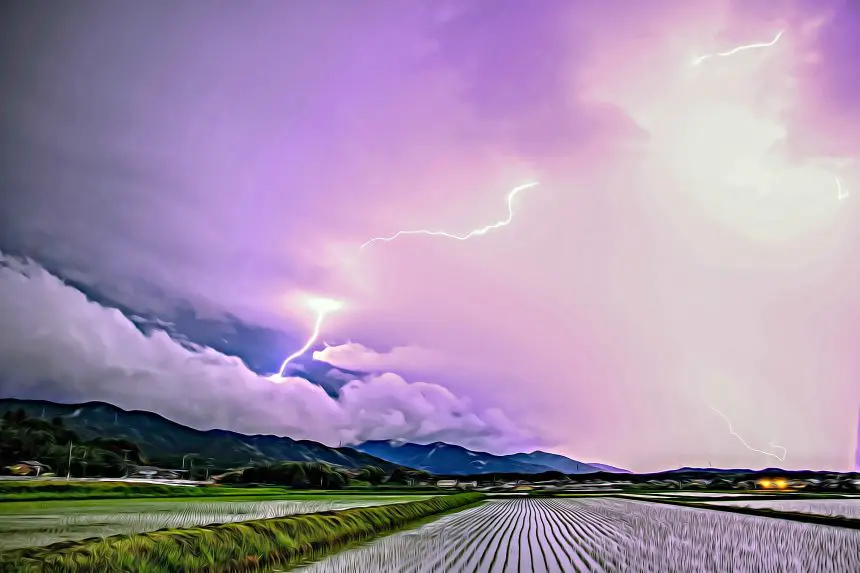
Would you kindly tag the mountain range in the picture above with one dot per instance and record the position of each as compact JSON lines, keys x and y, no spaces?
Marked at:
{"x":165,"y":442}
{"x":447,"y":459}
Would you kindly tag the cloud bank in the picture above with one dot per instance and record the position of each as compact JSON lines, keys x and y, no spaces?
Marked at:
{"x":355,"y":356}
{"x":55,"y":344}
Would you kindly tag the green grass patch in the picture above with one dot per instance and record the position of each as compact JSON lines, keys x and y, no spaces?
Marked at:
{"x":105,"y":490}
{"x":22,"y":491}
{"x":241,"y":546}
{"x":66,"y":505}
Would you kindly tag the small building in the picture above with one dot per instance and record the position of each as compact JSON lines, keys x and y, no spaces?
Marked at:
{"x":446,"y":483}
{"x":29,"y":468}
{"x":152,"y":472}
{"x":467,"y":484}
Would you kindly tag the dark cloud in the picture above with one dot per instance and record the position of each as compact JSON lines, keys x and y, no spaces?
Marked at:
{"x":518,"y":66}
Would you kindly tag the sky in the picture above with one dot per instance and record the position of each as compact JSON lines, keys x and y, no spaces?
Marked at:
{"x":679,"y":289}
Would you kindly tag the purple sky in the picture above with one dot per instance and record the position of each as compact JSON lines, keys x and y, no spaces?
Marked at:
{"x":686,"y":249}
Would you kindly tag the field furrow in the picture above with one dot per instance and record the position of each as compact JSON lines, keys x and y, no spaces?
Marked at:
{"x":544,"y":535}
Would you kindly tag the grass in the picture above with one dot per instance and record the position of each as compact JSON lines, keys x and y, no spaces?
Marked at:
{"x":219,"y":548}
{"x":64,"y":504}
{"x":53,"y":522}
{"x":34,"y":491}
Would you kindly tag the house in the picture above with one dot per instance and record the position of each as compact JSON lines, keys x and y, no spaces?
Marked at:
{"x":152,"y":472}
{"x":446,"y":483}
{"x":29,"y":468}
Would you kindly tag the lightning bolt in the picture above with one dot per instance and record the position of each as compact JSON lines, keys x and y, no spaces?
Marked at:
{"x":734,"y":51}
{"x":322,"y":306}
{"x":749,"y":447}
{"x":839,"y":193}
{"x":473,"y":233}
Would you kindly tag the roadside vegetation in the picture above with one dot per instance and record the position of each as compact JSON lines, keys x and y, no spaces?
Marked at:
{"x":231,"y":547}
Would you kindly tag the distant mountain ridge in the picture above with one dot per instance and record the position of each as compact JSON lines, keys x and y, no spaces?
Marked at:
{"x":163,"y":441}
{"x":609,"y":469}
{"x":447,"y":459}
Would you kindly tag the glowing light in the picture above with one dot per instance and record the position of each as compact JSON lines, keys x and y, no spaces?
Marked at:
{"x":766,"y":483}
{"x":474,"y":233}
{"x":734,"y":51}
{"x":322,"y":307}
{"x":839,"y":193}
{"x":749,"y":447}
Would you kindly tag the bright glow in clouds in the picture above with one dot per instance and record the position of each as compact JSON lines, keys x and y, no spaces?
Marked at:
{"x":733,"y":51}
{"x":746,"y":445}
{"x":322,"y":306}
{"x":722,"y":134}
{"x":474,"y":233}
{"x":840,"y":194}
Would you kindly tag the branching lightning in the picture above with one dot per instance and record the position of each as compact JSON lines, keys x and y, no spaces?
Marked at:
{"x":322,"y":306}
{"x":840,"y":194}
{"x":470,"y":234}
{"x":749,"y":447}
{"x":734,"y":51}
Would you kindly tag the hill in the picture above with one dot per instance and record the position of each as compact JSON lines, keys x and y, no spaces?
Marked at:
{"x":609,"y":469}
{"x":554,"y":462}
{"x":164,"y":442}
{"x":446,"y":459}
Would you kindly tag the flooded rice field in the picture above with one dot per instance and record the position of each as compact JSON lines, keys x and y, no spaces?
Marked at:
{"x":546,"y":535}
{"x":846,"y":507}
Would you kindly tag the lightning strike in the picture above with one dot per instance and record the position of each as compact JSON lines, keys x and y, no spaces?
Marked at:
{"x":749,"y":447}
{"x":840,"y":194}
{"x":322,"y":306}
{"x":734,"y":51}
{"x":473,"y":233}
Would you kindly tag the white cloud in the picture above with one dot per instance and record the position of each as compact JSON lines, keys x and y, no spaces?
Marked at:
{"x":355,"y":356}
{"x":56,"y":344}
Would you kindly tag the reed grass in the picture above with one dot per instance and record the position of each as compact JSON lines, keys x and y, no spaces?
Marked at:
{"x":244,"y":546}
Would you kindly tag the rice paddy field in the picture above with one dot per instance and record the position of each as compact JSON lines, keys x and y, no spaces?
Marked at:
{"x":846,"y":507}
{"x":37,"y":524}
{"x":549,"y":535}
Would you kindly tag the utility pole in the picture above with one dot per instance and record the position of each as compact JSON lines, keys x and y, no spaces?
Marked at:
{"x":69,"y":469}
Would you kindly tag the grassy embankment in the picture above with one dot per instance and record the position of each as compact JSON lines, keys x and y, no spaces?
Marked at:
{"x":37,"y":491}
{"x":230,"y":547}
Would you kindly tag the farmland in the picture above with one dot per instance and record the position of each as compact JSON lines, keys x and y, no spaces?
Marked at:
{"x":846,"y":507}
{"x":243,"y":546}
{"x":603,"y":534}
{"x":32,"y":524}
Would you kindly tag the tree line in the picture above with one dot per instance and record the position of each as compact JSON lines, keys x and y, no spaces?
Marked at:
{"x":25,"y":438}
